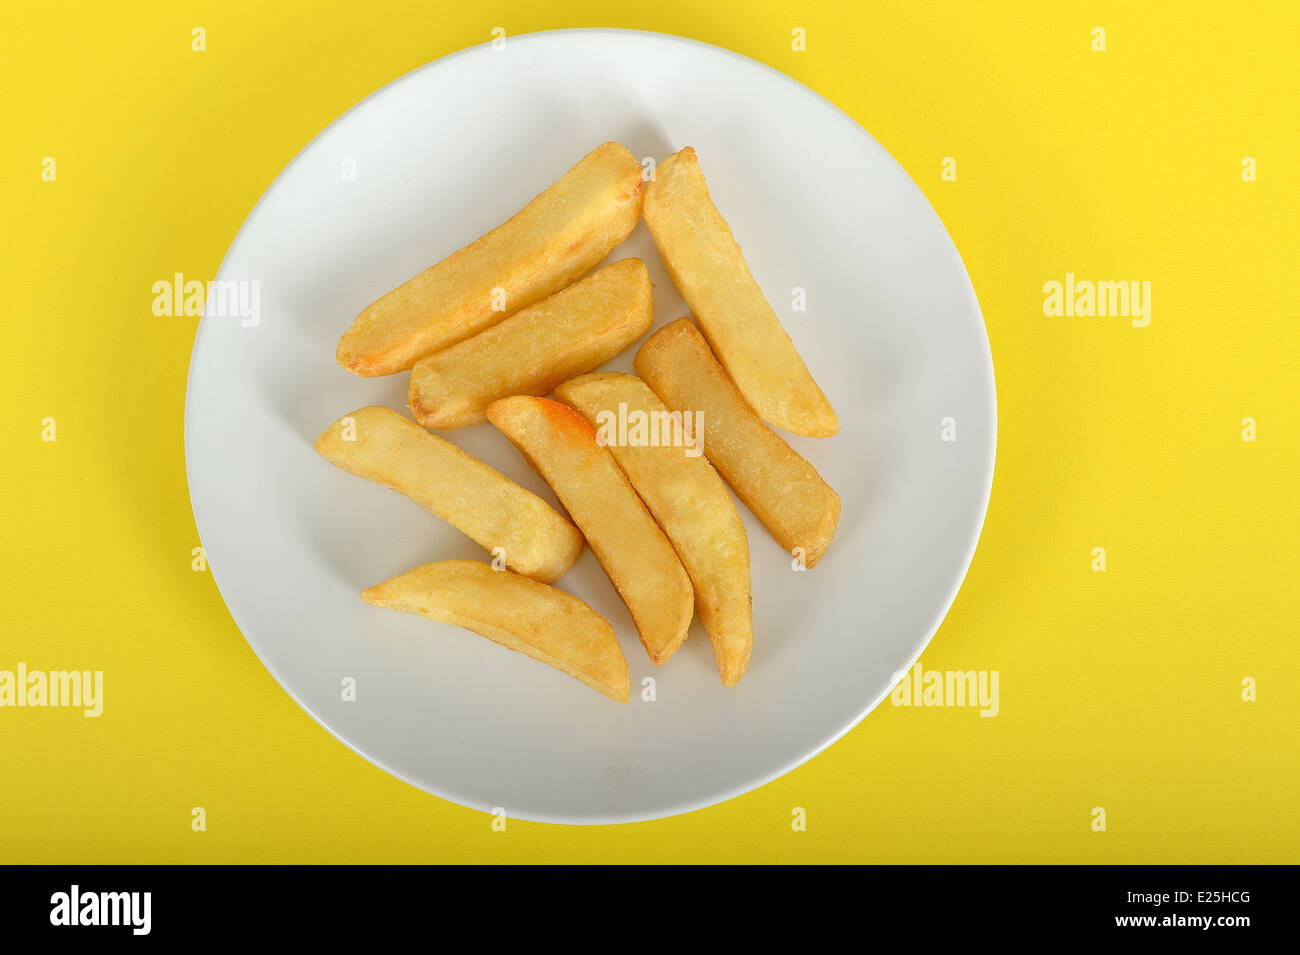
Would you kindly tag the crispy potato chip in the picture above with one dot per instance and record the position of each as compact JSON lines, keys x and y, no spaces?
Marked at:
{"x":783,"y":490}
{"x":573,"y":331}
{"x":560,"y":235}
{"x":538,"y":620}
{"x":660,"y":452}
{"x":708,"y":268}
{"x":381,"y":445}
{"x":638,"y":558}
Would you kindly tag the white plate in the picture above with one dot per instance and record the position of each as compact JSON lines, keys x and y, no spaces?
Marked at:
{"x":892,"y":331}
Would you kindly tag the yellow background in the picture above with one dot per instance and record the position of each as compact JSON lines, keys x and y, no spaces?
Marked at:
{"x":1119,"y":689}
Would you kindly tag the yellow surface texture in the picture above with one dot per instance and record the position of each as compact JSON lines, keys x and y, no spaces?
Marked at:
{"x":1119,"y":689}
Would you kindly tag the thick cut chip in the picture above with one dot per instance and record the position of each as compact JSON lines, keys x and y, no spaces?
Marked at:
{"x":538,"y":620}
{"x":381,"y":445}
{"x":783,"y":490}
{"x":707,"y":266}
{"x":660,"y":452}
{"x":638,"y":558}
{"x":560,"y":235}
{"x":573,"y":331}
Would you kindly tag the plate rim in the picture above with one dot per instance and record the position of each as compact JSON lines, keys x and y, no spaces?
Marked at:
{"x":748,"y":785}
